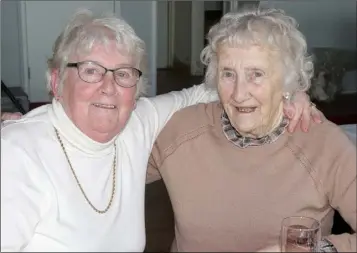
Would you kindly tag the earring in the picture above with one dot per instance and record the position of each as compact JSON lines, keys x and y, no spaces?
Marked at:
{"x":287,"y":96}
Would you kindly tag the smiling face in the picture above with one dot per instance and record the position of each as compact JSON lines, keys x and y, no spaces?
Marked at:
{"x":100,"y":110}
{"x":250,"y":82}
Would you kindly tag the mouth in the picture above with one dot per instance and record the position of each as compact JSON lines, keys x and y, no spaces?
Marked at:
{"x":246,"y":109}
{"x":105,"y":106}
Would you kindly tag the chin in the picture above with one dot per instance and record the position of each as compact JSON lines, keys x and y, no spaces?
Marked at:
{"x":246,"y":132}
{"x":244,"y":129}
{"x":106,"y":129}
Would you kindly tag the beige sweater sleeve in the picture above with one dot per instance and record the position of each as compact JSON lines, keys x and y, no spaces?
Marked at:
{"x":340,"y":186}
{"x":153,"y":173}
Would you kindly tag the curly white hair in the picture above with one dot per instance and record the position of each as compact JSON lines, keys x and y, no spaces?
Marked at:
{"x":270,"y":28}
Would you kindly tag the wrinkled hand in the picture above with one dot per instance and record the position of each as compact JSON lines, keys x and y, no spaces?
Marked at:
{"x":275,"y":248}
{"x":10,"y":116}
{"x":301,"y":110}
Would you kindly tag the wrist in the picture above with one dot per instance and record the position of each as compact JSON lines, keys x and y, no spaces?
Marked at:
{"x":325,"y":246}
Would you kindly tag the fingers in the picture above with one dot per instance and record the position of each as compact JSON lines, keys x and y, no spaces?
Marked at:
{"x":295,"y":119}
{"x":306,"y":118}
{"x":10,"y":116}
{"x":16,"y":115}
{"x":316,"y":115}
{"x":288,"y":110}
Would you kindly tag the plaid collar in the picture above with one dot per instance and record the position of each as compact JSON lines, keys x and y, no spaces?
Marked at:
{"x":233,"y":136}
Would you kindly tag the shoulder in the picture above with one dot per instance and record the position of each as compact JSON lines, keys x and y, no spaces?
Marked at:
{"x":324,"y":148}
{"x":326,"y":134}
{"x":27,"y":130}
{"x":189,"y":123}
{"x":21,"y":142}
{"x":351,"y":131}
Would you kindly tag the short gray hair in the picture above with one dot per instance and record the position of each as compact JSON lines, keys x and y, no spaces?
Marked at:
{"x":268,"y":27}
{"x":84,"y":30}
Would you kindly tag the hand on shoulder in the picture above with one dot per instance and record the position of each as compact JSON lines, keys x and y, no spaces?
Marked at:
{"x":10,"y":116}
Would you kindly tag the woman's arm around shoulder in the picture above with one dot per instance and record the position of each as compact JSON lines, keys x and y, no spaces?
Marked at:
{"x":155,"y":112}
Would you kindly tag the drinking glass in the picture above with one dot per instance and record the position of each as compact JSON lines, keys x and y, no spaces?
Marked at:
{"x":300,"y":234}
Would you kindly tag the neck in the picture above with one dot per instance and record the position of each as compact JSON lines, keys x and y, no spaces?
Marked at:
{"x":75,"y":136}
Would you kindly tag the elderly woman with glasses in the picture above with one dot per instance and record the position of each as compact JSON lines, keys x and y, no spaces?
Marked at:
{"x":73,"y":172}
{"x":232,"y":171}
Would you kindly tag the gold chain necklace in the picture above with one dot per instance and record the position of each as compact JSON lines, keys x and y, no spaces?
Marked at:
{"x":79,"y":184}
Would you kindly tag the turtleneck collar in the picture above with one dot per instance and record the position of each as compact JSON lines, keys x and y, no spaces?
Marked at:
{"x":75,"y":137}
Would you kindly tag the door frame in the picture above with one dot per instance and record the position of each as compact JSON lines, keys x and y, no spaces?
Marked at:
{"x":171,"y":34}
{"x":24,"y":48}
{"x":197,"y":37}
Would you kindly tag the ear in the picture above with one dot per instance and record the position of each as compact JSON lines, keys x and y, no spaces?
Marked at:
{"x":55,"y":83}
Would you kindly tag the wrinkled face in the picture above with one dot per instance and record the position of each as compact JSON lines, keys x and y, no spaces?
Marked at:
{"x":250,"y":81}
{"x":100,"y":110}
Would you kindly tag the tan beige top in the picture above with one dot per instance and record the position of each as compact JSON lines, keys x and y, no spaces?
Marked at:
{"x":230,"y":199}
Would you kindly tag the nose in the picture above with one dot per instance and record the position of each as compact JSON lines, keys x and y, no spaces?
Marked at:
{"x":109,"y":86}
{"x":241,"y":91}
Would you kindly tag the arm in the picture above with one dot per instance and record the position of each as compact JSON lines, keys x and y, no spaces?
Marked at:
{"x":153,"y":173}
{"x":340,"y":187}
{"x":164,"y":106}
{"x":21,"y":198}
{"x":155,"y":112}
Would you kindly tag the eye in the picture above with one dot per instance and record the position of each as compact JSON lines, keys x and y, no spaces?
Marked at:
{"x":91,"y":71}
{"x":228,"y":75}
{"x":258,"y":74}
{"x":122,"y":74}
{"x":255,"y":76}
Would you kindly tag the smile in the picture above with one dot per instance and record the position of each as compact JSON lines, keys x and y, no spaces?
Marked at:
{"x":246,"y":109}
{"x":105,"y":106}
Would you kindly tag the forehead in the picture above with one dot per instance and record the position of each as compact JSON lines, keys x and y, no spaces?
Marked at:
{"x":245,"y":56}
{"x":109,"y":55}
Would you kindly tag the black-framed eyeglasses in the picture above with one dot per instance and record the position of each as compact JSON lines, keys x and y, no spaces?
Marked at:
{"x":92,"y":72}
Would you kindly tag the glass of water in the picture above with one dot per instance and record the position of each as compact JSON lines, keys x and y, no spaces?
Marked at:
{"x":300,"y":234}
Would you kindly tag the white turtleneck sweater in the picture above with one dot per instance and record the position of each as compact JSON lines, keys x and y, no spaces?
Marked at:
{"x":42,"y":208}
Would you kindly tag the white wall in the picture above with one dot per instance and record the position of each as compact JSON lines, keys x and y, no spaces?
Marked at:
{"x":11,"y":45}
{"x":11,"y":68}
{"x":325,"y":23}
{"x":142,"y":16}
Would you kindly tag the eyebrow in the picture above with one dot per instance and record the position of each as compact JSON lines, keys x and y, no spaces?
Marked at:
{"x":227,"y":69}
{"x":124,"y":65}
{"x":255,"y":68}
{"x":249,"y":68}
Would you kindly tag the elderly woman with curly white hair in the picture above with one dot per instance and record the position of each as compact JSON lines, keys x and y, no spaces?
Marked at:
{"x":231,"y":169}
